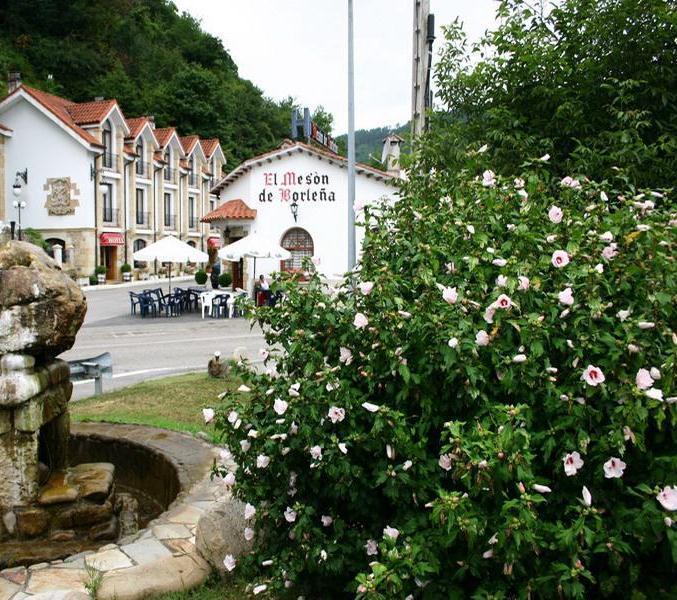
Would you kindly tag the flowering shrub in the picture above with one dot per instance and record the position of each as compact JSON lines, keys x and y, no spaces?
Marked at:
{"x":487,"y":411}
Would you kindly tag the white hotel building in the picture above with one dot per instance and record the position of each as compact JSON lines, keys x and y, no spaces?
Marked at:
{"x":99,"y":185}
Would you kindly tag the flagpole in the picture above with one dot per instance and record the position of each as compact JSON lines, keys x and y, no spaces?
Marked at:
{"x":351,"y":142}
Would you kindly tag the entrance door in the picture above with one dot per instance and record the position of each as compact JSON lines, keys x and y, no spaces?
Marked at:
{"x":237,"y":274}
{"x":109,"y":256}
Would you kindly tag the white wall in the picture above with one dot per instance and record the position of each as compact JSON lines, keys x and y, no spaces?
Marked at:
{"x":326,"y":221}
{"x":47,"y":151}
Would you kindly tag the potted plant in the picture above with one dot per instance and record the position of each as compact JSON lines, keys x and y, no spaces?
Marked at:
{"x":100,"y":273}
{"x":201,"y":277}
{"x":93,"y":280}
{"x":225,"y":279}
{"x":126,"y":270}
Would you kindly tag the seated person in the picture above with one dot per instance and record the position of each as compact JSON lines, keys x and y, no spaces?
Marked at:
{"x":262,"y":290}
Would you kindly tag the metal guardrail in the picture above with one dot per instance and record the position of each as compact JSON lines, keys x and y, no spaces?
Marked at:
{"x":94,"y":368}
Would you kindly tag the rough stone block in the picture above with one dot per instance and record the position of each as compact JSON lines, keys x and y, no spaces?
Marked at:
{"x":31,"y":522}
{"x":146,"y":551}
{"x":28,"y":416}
{"x":108,"y":560}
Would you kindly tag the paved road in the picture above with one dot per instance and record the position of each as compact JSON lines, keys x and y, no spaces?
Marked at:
{"x":153,"y":347}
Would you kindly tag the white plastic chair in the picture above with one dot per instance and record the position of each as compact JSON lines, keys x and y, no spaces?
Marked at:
{"x":206,"y":302}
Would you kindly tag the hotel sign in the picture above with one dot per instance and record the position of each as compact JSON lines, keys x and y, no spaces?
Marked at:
{"x":293,"y":186}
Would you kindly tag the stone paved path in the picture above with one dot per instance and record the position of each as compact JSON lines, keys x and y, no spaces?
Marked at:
{"x":158,"y":559}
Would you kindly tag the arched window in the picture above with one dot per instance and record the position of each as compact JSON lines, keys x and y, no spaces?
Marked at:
{"x":300,"y":244}
{"x":107,"y":141}
{"x":139,"y":245}
{"x":168,"y":167}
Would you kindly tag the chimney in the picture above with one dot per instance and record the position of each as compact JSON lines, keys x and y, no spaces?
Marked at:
{"x":151,"y":120}
{"x":390,"y":157}
{"x":98,"y":98}
{"x":13,"y":81}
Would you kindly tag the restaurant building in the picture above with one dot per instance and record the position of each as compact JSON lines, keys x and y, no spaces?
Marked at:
{"x":296,"y":196}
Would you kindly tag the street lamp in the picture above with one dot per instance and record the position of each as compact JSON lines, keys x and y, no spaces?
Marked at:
{"x":17,"y":188}
{"x":294,"y":210}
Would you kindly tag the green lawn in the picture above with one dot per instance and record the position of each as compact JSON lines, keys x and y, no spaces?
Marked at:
{"x":171,"y":403}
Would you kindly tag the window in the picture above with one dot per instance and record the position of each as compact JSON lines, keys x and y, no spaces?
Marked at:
{"x":168,"y":167}
{"x":168,"y":210}
{"x":140,"y":206}
{"x":140,"y":163}
{"x":51,"y":242}
{"x":139,"y":245}
{"x":107,"y":193}
{"x":191,"y":212}
{"x":107,"y":140}
{"x":300,"y":244}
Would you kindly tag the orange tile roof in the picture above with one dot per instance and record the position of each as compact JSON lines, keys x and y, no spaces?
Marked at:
{"x":130,"y":149}
{"x":164,"y":134}
{"x":89,"y":113}
{"x":232,"y":210}
{"x":59,"y":107}
{"x":209,"y":146}
{"x":135,"y":125}
{"x":188,"y":142}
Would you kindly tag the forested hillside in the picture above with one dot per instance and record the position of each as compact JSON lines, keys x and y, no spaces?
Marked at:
{"x":148,"y":56}
{"x":369,"y":142}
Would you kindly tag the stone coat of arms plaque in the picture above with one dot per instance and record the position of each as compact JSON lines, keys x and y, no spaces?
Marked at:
{"x":61,"y":197}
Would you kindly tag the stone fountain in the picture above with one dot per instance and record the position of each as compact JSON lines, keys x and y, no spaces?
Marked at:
{"x":48,"y":508}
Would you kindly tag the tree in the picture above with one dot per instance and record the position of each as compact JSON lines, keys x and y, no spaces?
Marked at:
{"x":590,"y":82}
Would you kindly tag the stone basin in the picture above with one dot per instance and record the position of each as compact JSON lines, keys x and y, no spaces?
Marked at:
{"x":172,"y":472}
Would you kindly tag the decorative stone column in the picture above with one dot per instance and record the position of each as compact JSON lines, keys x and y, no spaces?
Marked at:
{"x":41,"y":310}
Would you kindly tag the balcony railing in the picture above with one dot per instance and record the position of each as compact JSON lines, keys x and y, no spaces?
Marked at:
{"x":192,"y":179}
{"x":192,"y":222}
{"x":109,"y":161}
{"x":169,"y":175}
{"x":143,"y":169}
{"x":143,"y":219}
{"x":169,"y":221}
{"x":111,"y":216}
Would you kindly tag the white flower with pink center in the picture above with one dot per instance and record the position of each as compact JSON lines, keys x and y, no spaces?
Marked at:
{"x":524,"y":283}
{"x":482,"y":338}
{"x":326,"y":520}
{"x":366,"y":287}
{"x":572,"y":462}
{"x":262,"y":461}
{"x":668,"y":497}
{"x":445,"y":462}
{"x":290,"y":515}
{"x":316,"y":452}
{"x":593,"y":376}
{"x":450,"y":295}
{"x":391,"y":532}
{"x":229,"y":562}
{"x":613,"y":468}
{"x":555,"y":214}
{"x":503,"y":302}
{"x":609,"y":252}
{"x":643,"y":379}
{"x":499,"y":262}
{"x":570,"y":182}
{"x":249,"y":511}
{"x":566,"y":297}
{"x":345,"y":355}
{"x":488,"y":179}
{"x":360,"y":321}
{"x":248,"y":534}
{"x":489,"y":313}
{"x":336,"y":414}
{"x":371,"y":547}
{"x":208,"y":415}
{"x":560,"y":259}
{"x":280,"y":406}
{"x":501,"y":281}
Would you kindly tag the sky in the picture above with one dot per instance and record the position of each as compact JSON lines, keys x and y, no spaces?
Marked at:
{"x":299,"y":48}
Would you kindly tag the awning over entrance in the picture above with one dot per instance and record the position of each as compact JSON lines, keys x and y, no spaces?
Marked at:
{"x":112,"y":239}
{"x":233,"y":210}
{"x":214,"y":242}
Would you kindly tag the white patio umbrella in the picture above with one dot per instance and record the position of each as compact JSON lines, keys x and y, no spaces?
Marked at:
{"x":254,"y":246}
{"x":171,"y":250}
